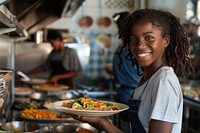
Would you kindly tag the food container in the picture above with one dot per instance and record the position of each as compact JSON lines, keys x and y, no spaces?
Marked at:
{"x":39,"y":96}
{"x":65,"y":128}
{"x":21,"y":126}
{"x":22,"y":91}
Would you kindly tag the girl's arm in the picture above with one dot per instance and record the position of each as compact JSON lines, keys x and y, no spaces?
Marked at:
{"x":101,"y":123}
{"x":156,"y":126}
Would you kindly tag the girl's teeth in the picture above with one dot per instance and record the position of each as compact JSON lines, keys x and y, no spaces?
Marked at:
{"x":142,"y":55}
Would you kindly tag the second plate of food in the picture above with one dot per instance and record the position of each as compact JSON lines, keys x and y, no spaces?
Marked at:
{"x":43,"y":116}
{"x":50,"y":87}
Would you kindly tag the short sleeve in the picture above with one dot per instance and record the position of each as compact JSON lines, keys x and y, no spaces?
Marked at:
{"x":166,"y":102}
{"x":71,"y":60}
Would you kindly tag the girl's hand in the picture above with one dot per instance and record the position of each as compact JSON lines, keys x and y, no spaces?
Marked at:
{"x":93,"y":121}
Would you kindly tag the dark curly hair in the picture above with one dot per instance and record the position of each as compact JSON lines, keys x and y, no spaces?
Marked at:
{"x":53,"y":35}
{"x":177,"y":52}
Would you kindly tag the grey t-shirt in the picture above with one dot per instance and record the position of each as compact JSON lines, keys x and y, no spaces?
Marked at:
{"x":68,"y":57}
{"x":162,"y":99}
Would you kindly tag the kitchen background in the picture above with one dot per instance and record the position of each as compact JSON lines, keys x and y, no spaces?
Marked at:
{"x":90,"y":36}
{"x":86,"y":25}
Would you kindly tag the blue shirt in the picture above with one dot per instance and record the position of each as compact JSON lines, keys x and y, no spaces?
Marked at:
{"x":126,"y":77}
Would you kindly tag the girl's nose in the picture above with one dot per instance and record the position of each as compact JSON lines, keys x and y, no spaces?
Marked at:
{"x":141,"y":43}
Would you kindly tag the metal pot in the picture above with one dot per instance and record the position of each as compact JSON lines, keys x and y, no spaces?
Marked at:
{"x":21,"y":126}
{"x":86,"y":126}
{"x":68,"y":128}
{"x":65,"y":128}
{"x":38,"y":96}
{"x":69,"y":94}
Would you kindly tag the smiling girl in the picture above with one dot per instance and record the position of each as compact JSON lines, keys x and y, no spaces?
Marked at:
{"x":158,"y":43}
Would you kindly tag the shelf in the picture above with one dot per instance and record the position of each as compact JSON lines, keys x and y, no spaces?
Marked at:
{"x":9,"y":23}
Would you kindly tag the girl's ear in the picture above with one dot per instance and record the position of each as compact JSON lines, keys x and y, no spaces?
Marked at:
{"x":166,"y":41}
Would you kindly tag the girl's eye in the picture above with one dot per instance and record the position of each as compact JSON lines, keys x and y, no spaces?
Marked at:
{"x":148,"y":38}
{"x":133,"y":40}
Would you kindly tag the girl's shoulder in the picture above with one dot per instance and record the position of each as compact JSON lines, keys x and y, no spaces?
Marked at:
{"x":165,"y":73}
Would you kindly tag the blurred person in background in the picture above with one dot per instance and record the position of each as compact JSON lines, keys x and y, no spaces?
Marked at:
{"x":125,"y":75}
{"x":192,"y":27}
{"x":62,"y":61}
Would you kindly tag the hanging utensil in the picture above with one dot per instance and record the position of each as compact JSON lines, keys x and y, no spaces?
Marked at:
{"x":103,"y":21}
{"x":85,"y":21}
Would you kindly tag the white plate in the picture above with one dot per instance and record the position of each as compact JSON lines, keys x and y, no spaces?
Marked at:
{"x":34,"y":81}
{"x":58,"y":104}
{"x":22,"y":91}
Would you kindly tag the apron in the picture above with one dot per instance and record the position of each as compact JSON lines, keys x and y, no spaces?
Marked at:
{"x":58,"y":68}
{"x":131,"y":123}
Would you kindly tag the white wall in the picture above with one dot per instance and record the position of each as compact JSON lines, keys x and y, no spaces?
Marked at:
{"x":177,"y":7}
{"x":92,"y":8}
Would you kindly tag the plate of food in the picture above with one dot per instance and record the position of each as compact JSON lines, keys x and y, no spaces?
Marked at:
{"x":87,"y":106}
{"x":43,"y":115}
{"x":50,"y":87}
{"x":22,"y":91}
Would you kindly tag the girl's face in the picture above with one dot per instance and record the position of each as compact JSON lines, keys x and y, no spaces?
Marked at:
{"x":147,"y":44}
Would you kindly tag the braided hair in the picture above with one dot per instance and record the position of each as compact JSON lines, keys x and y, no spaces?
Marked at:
{"x":177,"y":52}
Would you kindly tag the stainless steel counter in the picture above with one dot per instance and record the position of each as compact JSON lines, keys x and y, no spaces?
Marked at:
{"x":188,"y":105}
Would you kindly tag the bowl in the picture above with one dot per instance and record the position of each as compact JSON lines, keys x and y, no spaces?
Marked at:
{"x":21,"y":126}
{"x":64,"y":128}
{"x":69,"y":128}
{"x":69,"y":94}
{"x":38,"y":96}
{"x":86,"y":126}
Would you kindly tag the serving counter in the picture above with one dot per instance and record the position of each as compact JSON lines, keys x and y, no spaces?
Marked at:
{"x":28,"y":96}
{"x":191,"y":113}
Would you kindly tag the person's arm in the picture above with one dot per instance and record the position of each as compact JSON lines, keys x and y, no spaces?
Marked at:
{"x":108,"y":127}
{"x":101,"y":123}
{"x":55,"y":78}
{"x":36,"y":70}
{"x":156,"y":126}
